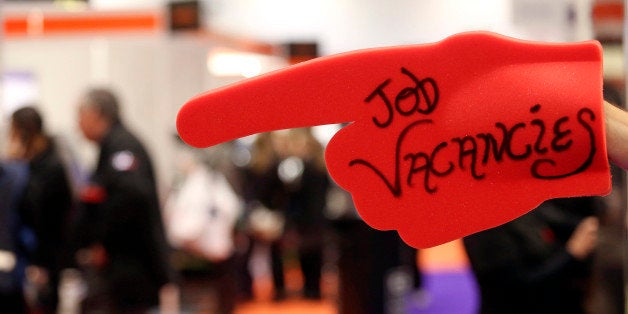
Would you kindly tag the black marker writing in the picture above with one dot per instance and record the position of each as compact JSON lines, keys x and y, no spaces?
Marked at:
{"x":537,"y":164}
{"x":472,"y":152}
{"x":422,"y":98}
{"x":395,"y":186}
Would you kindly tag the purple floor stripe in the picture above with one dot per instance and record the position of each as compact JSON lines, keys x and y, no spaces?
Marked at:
{"x":453,"y":292}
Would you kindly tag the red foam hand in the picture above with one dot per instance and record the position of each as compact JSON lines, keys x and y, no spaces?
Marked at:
{"x":447,"y":139}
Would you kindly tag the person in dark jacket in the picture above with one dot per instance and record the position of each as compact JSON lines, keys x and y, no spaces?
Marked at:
{"x":122,"y":231}
{"x":46,"y":205}
{"x":13,"y":179}
{"x":307,"y":187}
{"x":538,"y":263}
{"x":262,"y":188}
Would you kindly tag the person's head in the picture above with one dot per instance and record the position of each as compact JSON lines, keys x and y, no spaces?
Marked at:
{"x":98,"y":111}
{"x":262,"y":153}
{"x":26,"y":132}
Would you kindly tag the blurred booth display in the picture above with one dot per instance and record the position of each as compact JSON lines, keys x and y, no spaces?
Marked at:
{"x":608,"y":19}
{"x":232,"y":65}
{"x":301,"y":51}
{"x":184,"y":15}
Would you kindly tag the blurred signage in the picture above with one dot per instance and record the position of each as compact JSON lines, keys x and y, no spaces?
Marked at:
{"x":38,"y":23}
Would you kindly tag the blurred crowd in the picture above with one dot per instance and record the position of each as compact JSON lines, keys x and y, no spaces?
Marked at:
{"x":110,"y":244}
{"x":102,"y":237}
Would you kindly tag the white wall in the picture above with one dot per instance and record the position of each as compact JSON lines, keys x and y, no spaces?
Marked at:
{"x":341,"y":25}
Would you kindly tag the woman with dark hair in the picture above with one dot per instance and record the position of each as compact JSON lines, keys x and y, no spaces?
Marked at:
{"x":45,"y":207}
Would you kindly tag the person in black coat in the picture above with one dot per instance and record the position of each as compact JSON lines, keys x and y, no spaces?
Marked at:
{"x":307,"y":191}
{"x":122,"y":233}
{"x":13,"y":179}
{"x":45,"y":208}
{"x":262,"y":188}
{"x":538,"y":263}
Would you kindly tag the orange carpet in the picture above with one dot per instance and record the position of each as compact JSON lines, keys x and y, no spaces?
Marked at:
{"x":449,"y":256}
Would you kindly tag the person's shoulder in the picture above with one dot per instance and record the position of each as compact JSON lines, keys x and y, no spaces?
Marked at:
{"x":120,"y":132}
{"x":124,"y":151}
{"x":122,"y":139}
{"x":46,"y":160}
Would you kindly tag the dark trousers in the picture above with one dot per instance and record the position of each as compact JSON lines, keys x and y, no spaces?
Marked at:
{"x":210,"y":289}
{"x":311,"y":260}
{"x":366,"y":258}
{"x":244,"y":278}
{"x":276,"y":259}
{"x":12,"y":303}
